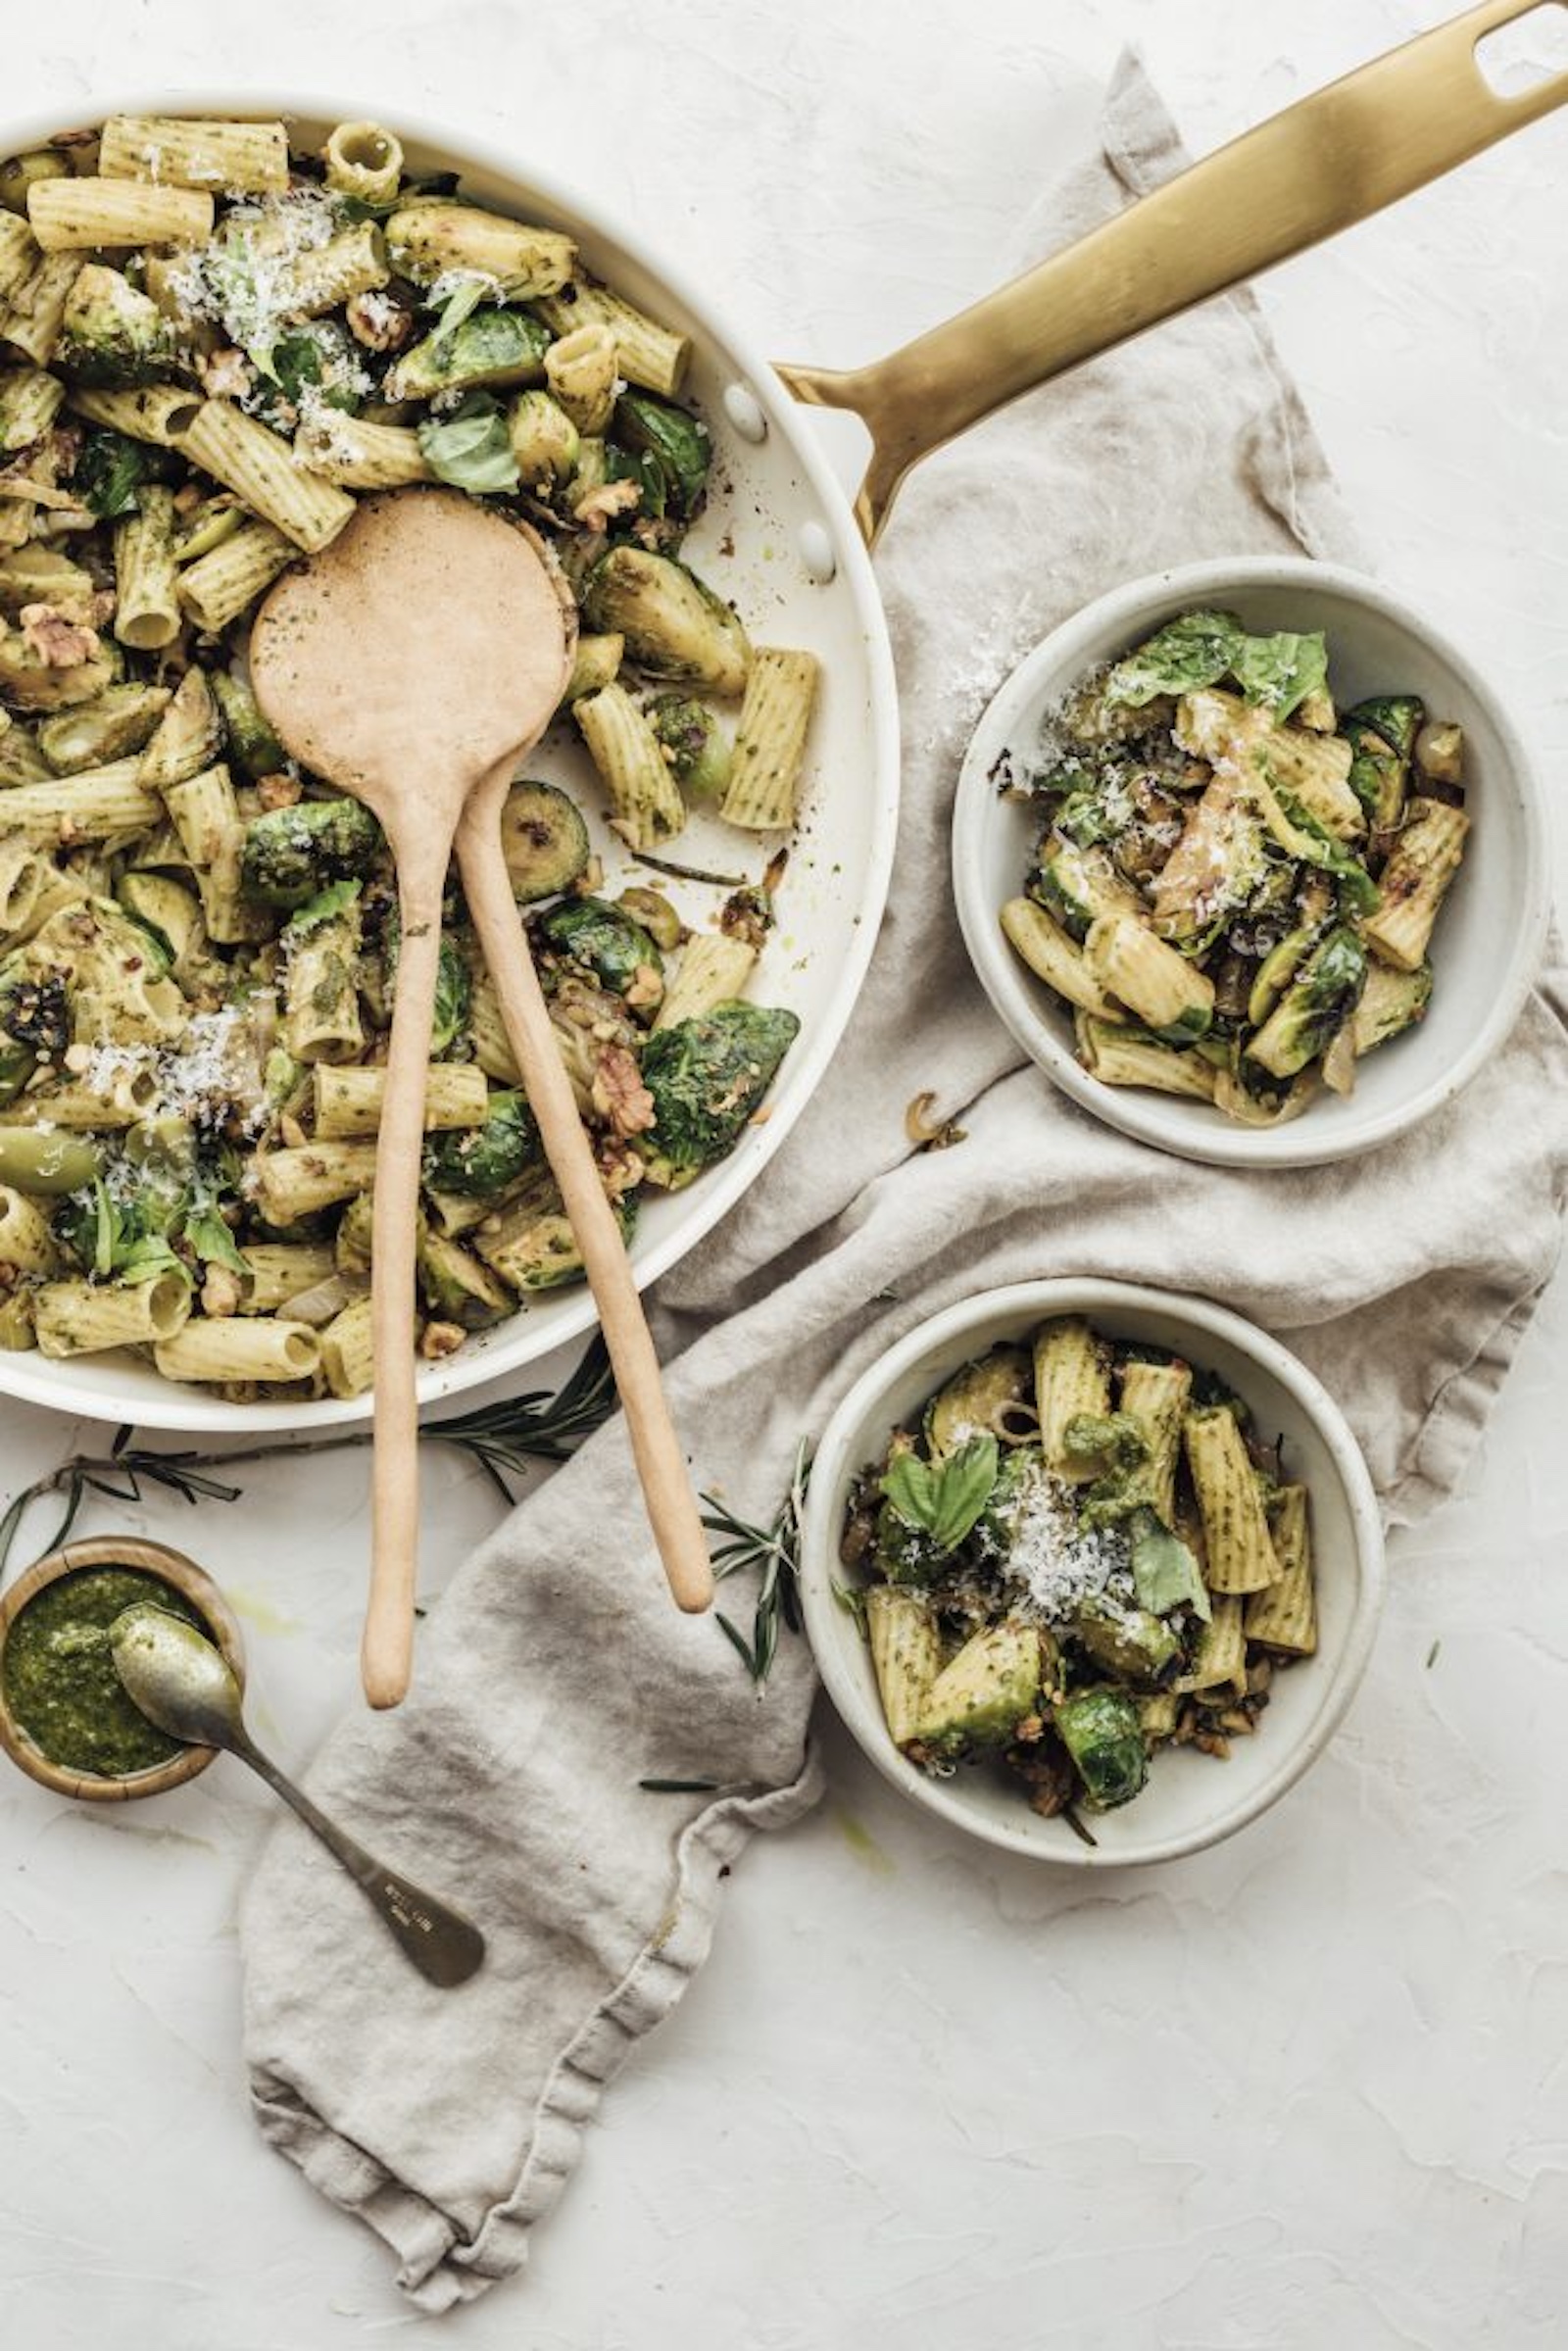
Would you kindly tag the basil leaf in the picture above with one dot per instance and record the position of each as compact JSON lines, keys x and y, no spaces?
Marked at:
{"x":911,"y":1486}
{"x":963,"y":1487}
{"x":1165,"y":1575}
{"x":943,"y":1500}
{"x":458,"y":295}
{"x":1194,"y":649}
{"x":470,"y":448}
{"x":1280,"y":672}
{"x":1356,"y":887}
{"x":149,"y":1259}
{"x":210,"y":1237}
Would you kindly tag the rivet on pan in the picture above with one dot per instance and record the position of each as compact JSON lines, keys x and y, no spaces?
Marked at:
{"x":816,"y":553}
{"x":743,"y":412}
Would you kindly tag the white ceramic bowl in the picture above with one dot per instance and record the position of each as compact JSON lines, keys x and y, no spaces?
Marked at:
{"x":1490,"y":933}
{"x":1191,"y":1800}
{"x":778,"y":539}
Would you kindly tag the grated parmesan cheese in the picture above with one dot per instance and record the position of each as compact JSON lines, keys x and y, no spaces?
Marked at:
{"x":1051,"y":1566}
{"x":210,"y":1074}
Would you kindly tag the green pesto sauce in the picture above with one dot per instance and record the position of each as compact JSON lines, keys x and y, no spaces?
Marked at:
{"x":59,"y":1675}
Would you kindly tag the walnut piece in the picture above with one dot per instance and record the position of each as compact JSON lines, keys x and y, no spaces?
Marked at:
{"x":59,"y":642}
{"x":618,"y":1094}
{"x":226,"y":373}
{"x":377,"y":320}
{"x":597,"y":510}
{"x":441,"y":1338}
{"x":221,"y":1292}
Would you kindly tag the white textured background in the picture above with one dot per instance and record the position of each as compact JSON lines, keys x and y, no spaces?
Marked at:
{"x":1307,"y":2092}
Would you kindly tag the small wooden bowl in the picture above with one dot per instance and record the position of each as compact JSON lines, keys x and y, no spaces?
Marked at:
{"x":151,"y":1559}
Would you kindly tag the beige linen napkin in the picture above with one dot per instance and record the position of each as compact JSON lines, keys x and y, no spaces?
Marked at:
{"x":556,"y":1674}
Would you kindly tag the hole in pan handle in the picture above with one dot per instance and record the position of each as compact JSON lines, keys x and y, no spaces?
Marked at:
{"x":1329,"y":161}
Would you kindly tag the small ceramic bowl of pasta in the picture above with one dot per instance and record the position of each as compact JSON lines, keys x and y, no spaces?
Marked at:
{"x":1251,"y":863}
{"x":1091,"y":1571}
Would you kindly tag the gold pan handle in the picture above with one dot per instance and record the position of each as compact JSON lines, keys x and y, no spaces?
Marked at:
{"x":1329,"y":161}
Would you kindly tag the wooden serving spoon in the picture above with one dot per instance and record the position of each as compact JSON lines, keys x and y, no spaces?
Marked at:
{"x":413,"y":664}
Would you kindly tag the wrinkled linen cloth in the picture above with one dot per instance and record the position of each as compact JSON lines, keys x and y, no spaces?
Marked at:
{"x":555,"y":1673}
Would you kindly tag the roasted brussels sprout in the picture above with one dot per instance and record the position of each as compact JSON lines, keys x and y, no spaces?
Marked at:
{"x":695,"y":743}
{"x":1315,"y":1006}
{"x":1100,"y":1730}
{"x":548,"y":1256}
{"x":1282,"y":962}
{"x":543,"y":841}
{"x":454,"y":994}
{"x":1391,"y":1001}
{"x":454,"y":986}
{"x":111,"y":337}
{"x":904,"y":1554}
{"x":656,"y":915}
{"x":488,"y":347}
{"x":480,"y":1161}
{"x":31,"y":682}
{"x":1382,"y":733}
{"x":457,"y":1287}
{"x":979,"y":1701}
{"x":679,"y":441}
{"x":607,"y":943}
{"x":112,"y":471}
{"x":290,"y":854}
{"x":1133,"y":1643}
{"x":1440,"y":752}
{"x":20,"y":759}
{"x":253,"y":747}
{"x":1078,"y":886}
{"x":673,"y":625}
{"x":120,"y":721}
{"x":706,"y":1076}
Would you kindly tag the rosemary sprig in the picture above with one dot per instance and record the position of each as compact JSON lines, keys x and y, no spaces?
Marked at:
{"x":502,"y":1437}
{"x":774,"y":1549}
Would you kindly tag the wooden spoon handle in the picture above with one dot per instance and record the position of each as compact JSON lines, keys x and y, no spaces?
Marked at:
{"x":386,"y":1653}
{"x":667,"y":1485}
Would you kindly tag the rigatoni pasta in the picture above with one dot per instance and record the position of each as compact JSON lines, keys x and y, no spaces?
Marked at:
{"x":1228,"y":865}
{"x":1049,"y":1579}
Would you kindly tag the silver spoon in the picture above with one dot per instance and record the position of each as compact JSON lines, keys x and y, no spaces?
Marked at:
{"x":181,"y":1683}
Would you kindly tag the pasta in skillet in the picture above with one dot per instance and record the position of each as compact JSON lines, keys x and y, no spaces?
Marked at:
{"x":209,"y":346}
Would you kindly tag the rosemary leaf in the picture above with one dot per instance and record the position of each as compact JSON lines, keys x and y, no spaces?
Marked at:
{"x":679,"y":1788}
{"x":737,"y":1640}
{"x":774,"y":1551}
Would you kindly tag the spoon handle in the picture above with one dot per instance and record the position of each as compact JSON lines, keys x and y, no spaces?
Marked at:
{"x":442,"y":1943}
{"x":660,"y":1464}
{"x":386,"y":1653}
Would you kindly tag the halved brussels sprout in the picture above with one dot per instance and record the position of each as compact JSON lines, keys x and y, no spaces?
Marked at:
{"x":673,"y":624}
